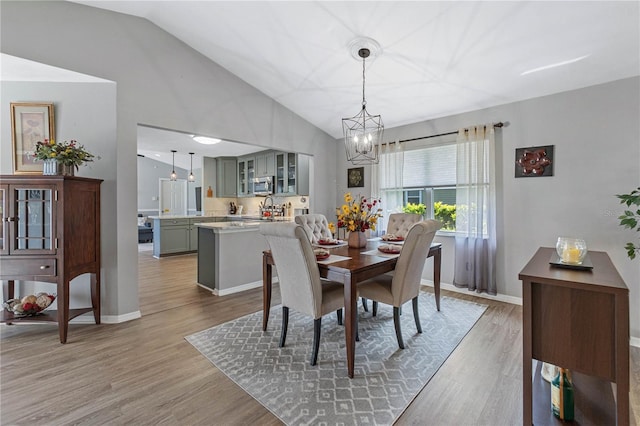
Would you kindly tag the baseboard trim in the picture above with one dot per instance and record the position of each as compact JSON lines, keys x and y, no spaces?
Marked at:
{"x":106,"y":319}
{"x":499,"y":297}
{"x":236,"y":289}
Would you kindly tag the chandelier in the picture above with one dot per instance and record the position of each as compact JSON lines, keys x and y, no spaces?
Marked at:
{"x":363,"y":132}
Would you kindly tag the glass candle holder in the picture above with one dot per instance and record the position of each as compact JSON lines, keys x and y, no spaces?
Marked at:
{"x":571,"y":250}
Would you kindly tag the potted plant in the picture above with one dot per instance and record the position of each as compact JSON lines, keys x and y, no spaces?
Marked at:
{"x":630,"y":218}
{"x":61,"y":158}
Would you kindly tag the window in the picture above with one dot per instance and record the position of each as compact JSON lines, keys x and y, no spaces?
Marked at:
{"x":429,"y":177}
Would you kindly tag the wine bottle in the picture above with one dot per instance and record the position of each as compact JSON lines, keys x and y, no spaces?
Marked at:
{"x":562,"y":395}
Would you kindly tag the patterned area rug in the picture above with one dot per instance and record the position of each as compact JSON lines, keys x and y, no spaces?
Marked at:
{"x":386,"y":378}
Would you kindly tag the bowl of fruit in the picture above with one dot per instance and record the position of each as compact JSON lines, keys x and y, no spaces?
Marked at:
{"x":30,"y":305}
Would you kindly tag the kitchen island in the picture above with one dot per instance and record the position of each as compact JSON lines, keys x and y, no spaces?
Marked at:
{"x":230,"y":256}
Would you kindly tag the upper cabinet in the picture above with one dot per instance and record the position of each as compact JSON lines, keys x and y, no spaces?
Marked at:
{"x":226,"y":184}
{"x":292,"y":174}
{"x":265,"y":164}
{"x":246,"y":173}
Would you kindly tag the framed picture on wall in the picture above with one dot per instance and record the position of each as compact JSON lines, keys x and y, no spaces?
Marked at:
{"x":535,"y":161}
{"x":355,"y":177}
{"x":31,"y":122}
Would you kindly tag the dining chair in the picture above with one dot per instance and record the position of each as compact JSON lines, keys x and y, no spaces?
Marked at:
{"x":315,"y":225}
{"x":404,"y":284}
{"x":400,"y":223}
{"x":300,"y":285}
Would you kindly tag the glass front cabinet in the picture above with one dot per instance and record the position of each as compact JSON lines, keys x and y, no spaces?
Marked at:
{"x":50,"y":232}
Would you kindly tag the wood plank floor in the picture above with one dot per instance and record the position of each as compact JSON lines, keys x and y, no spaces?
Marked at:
{"x":143,"y":372}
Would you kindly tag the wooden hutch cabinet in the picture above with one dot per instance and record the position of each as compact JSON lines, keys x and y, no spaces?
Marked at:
{"x":50,"y":232}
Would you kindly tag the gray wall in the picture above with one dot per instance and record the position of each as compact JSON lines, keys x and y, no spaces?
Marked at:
{"x":150,"y":172}
{"x":84,"y":112}
{"x":160,"y":82}
{"x":596,"y":134}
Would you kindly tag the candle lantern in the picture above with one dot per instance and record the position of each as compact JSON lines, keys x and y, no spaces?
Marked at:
{"x":571,"y":250}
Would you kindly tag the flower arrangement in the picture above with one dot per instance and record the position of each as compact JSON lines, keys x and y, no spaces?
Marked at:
{"x":357,"y":214}
{"x":30,"y":305}
{"x":68,"y":153}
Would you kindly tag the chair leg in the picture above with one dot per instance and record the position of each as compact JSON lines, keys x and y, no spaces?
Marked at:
{"x":396,"y":322}
{"x":357,"y":332}
{"x":317,"y":327}
{"x":364,"y":304}
{"x":339,"y":315}
{"x":415,"y":314}
{"x":285,"y":324}
{"x":375,"y":308}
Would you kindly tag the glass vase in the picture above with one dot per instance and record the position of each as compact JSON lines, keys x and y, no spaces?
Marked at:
{"x":357,"y":239}
{"x":571,"y":250}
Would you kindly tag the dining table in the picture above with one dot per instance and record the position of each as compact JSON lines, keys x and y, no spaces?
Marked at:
{"x":351,"y":267}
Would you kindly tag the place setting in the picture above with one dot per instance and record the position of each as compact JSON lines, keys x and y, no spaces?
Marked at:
{"x":330,"y":243}
{"x":324,"y":256}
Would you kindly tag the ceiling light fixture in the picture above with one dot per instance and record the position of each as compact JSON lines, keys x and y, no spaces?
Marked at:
{"x":192,"y":178}
{"x":205,"y":140}
{"x":557,"y":64}
{"x":363,"y":132}
{"x":173,"y":175}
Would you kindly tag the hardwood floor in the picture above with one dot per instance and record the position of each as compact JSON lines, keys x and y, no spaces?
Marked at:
{"x":143,"y":372}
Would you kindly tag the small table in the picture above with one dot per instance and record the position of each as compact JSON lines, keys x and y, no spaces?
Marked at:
{"x":577,"y":320}
{"x":350,"y":272}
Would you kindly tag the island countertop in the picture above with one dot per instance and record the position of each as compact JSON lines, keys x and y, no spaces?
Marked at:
{"x":239,"y":226}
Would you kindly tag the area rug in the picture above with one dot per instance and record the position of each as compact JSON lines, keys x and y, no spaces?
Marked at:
{"x":386,"y":378}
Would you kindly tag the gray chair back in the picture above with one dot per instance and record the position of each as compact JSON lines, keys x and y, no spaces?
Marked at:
{"x":296,"y":265}
{"x":400,"y":223}
{"x":315,"y":225}
{"x":408,"y":273}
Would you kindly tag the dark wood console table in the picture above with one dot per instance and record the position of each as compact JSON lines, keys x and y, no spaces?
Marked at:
{"x":577,"y":320}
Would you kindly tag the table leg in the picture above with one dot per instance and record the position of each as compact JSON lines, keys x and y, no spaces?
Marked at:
{"x":266,"y":291}
{"x":622,"y":360}
{"x":437,"y":263}
{"x":63,"y":308}
{"x":95,"y":296}
{"x":527,"y":353}
{"x":351,"y":311}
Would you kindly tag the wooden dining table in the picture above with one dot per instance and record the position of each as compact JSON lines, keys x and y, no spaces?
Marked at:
{"x":359,"y":267}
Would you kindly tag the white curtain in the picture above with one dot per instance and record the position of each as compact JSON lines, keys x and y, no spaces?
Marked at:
{"x":386,"y":182}
{"x":475,"y":248}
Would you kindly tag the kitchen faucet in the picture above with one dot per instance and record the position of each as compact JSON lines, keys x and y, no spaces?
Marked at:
{"x":268,"y":197}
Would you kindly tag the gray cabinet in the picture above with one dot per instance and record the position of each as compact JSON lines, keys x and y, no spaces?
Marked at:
{"x":176,"y":235}
{"x":226,"y":184}
{"x":292,"y":173}
{"x":265,"y":164}
{"x":246,"y":173}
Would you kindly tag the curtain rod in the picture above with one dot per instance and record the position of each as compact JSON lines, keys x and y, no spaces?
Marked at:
{"x":500,"y":124}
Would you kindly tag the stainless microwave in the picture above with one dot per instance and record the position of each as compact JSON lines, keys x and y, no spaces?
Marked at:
{"x":263,"y":185}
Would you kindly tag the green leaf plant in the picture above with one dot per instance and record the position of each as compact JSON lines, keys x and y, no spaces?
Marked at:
{"x":630,"y":218}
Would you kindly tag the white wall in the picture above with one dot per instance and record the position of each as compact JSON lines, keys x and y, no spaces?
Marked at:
{"x":596,"y":134}
{"x":161,"y":82}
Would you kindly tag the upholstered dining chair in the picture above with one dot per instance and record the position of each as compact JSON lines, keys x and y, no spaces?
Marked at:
{"x":404,"y":284}
{"x":315,"y":225}
{"x":300,"y":285}
{"x":400,"y":223}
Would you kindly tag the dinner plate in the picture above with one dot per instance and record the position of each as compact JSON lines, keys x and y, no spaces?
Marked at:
{"x":393,"y":239}
{"x":322,"y":256}
{"x":389,"y":250}
{"x":328,"y":242}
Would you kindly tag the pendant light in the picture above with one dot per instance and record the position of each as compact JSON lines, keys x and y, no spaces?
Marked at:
{"x":173,"y":176}
{"x":192,"y":178}
{"x":363,"y":132}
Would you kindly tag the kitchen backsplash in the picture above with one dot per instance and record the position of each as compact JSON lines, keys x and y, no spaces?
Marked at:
{"x":251,"y":205}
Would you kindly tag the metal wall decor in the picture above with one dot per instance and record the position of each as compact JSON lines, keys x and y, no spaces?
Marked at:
{"x":355,"y":177}
{"x":534,"y":161}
